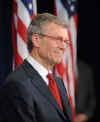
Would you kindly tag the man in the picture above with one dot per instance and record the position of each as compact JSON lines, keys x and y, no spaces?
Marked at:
{"x":85,"y":95}
{"x":25,"y":96}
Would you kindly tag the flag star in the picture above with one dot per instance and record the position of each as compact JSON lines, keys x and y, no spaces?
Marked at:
{"x":30,"y":6}
{"x":72,"y":8}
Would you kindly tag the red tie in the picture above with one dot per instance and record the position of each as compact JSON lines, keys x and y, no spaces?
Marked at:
{"x":53,"y":87}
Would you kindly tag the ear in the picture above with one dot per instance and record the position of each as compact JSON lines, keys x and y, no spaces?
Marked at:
{"x":35,"y":40}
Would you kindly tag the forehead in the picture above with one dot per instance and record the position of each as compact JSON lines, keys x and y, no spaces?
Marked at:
{"x":54,"y":29}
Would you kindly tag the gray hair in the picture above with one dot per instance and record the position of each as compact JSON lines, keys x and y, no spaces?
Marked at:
{"x":38,"y":23}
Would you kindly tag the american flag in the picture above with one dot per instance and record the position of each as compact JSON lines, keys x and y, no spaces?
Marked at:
{"x":67,"y":69}
{"x":23,"y":11}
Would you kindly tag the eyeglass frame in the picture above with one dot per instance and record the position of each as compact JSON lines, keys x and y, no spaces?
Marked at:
{"x":68,"y":43}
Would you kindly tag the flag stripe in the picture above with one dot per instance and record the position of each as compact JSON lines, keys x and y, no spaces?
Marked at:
{"x":22,"y":15}
{"x":75,"y":17}
{"x":21,"y":47}
{"x":14,"y":7}
{"x":22,"y":32}
{"x":16,"y":55}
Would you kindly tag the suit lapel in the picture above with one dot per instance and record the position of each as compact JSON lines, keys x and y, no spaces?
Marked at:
{"x":64,"y":98}
{"x":38,"y":82}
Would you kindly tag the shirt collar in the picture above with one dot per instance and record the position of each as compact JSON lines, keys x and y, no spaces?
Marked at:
{"x":39,"y":68}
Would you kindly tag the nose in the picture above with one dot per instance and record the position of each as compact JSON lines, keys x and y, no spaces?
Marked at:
{"x":63,"y":46}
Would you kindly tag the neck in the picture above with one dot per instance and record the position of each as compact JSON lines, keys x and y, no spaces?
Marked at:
{"x":44,"y":63}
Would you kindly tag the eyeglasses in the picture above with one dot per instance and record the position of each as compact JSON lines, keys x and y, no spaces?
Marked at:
{"x":57,"y":39}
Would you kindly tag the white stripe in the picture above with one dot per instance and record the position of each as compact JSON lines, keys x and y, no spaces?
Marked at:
{"x":23,"y":13}
{"x":71,"y":78}
{"x":21,"y":47}
{"x":65,"y":56}
{"x":35,"y":6}
{"x":73,"y":32}
{"x":61,"y":11}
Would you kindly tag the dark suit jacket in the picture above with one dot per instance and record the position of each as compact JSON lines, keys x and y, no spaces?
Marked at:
{"x":26,"y":98}
{"x":85,"y":95}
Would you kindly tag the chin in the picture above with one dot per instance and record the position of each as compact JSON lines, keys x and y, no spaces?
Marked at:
{"x":58,"y":61}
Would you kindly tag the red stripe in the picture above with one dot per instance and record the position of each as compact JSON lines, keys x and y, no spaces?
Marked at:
{"x":72,"y":108}
{"x":33,"y":15}
{"x":17,"y":59}
{"x":76,"y":21}
{"x":55,"y":12}
{"x":14,"y":6}
{"x":60,"y":68}
{"x":22,"y":30}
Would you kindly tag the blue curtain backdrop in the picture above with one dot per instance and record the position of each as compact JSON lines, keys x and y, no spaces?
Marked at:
{"x":5,"y":39}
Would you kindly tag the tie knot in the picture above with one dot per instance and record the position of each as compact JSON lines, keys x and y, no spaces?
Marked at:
{"x":50,"y":76}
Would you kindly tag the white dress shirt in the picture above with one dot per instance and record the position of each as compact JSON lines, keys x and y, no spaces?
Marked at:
{"x":39,"y":68}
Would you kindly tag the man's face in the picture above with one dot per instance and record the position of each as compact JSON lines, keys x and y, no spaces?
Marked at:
{"x":52,"y":49}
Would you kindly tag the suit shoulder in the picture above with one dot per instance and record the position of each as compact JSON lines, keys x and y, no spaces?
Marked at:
{"x":17,"y":74}
{"x":17,"y":84}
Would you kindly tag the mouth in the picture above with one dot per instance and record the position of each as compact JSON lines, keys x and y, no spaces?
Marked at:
{"x":60,"y":53}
